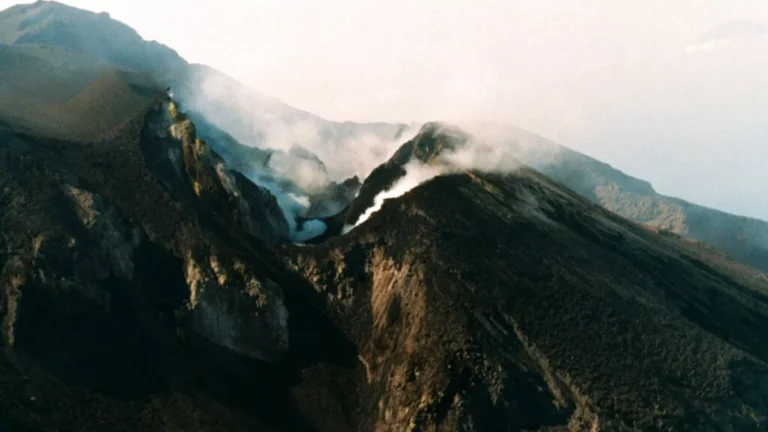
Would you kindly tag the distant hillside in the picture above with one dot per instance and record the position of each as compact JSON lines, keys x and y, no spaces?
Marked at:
{"x":151,"y":280}
{"x":46,"y":73}
{"x":63,"y":94}
{"x":252,"y":118}
{"x":742,"y":238}
{"x":52,"y":23}
{"x":347,"y":148}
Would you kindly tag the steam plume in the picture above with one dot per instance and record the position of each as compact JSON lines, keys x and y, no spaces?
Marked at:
{"x":303,"y":156}
{"x":473,"y":154}
{"x":309,"y":230}
{"x":415,"y":174}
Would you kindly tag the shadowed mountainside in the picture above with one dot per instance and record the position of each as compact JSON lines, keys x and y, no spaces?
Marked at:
{"x":742,"y":238}
{"x":147,"y":284}
{"x":77,"y":47}
{"x":138,"y":290}
{"x":80,"y":45}
{"x":509,"y":303}
{"x":96,"y":35}
{"x":142,"y":290}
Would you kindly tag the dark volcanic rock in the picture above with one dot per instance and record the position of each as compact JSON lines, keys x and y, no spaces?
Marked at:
{"x":56,"y":24}
{"x":742,"y":238}
{"x":432,"y":140}
{"x":145,"y":285}
{"x":190,"y":167}
{"x":50,"y":52}
{"x":135,"y":294}
{"x":132,"y":299}
{"x":509,"y":303}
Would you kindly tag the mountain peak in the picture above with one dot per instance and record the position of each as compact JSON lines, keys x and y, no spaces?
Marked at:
{"x":95,"y":34}
{"x":433,"y":139}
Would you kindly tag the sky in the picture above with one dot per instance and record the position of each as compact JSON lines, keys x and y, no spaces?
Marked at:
{"x":673,"y":92}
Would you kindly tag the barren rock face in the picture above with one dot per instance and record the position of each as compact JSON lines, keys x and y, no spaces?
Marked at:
{"x":188,"y":165}
{"x":115,"y":243}
{"x":232,"y":307}
{"x":473,"y":302}
{"x":508,"y":303}
{"x":146,"y":285}
{"x":122,"y":292}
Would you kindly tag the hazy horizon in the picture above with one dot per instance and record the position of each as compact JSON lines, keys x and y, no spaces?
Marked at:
{"x":671,"y":93}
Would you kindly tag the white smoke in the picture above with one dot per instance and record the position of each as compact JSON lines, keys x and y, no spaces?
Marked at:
{"x":364,"y":151}
{"x":347,"y":149}
{"x":306,"y":174}
{"x":480,"y":156}
{"x":309,"y":230}
{"x":292,"y":204}
{"x":415,"y":174}
{"x":309,"y":152}
{"x":505,"y":140}
{"x":474,"y":155}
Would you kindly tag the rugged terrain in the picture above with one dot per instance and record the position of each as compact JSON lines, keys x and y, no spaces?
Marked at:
{"x":50,"y":52}
{"x":149,"y":281}
{"x":743,"y":239}
{"x":137,"y":290}
{"x":64,"y":49}
{"x":146,"y":286}
{"x":508,"y":303}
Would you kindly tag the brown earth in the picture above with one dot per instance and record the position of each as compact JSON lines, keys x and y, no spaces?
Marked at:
{"x":147,"y":285}
{"x":137,"y":294}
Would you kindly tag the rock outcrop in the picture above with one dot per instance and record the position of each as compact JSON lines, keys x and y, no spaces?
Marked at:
{"x":485,"y":302}
{"x":147,"y":284}
{"x":129,"y":296}
{"x":140,"y":282}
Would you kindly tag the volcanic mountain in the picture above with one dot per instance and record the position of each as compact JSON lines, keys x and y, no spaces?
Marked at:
{"x":146,"y":286}
{"x":49,"y":52}
{"x":150,"y":282}
{"x":741,"y":238}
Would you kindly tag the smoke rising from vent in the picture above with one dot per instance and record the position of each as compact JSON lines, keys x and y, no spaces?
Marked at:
{"x":309,"y":230}
{"x":302,"y":157}
{"x":415,"y":174}
{"x":638,"y":85}
{"x":473,"y":154}
{"x":346,"y":149}
{"x":308,"y":173}
{"x":655,"y":88}
{"x":292,"y":204}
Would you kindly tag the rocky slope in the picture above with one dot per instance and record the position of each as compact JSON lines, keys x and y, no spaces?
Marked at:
{"x":135,"y":285}
{"x":96,"y":35}
{"x":95,"y":42}
{"x":146,"y":283}
{"x":487,"y":302}
{"x":742,"y":238}
{"x":145,"y":286}
{"x":50,"y":52}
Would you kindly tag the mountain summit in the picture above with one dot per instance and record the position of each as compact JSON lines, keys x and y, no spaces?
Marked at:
{"x":55,"y":24}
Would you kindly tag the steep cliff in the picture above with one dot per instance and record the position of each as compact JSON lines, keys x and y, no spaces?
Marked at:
{"x":137,"y":285}
{"x":484,"y":302}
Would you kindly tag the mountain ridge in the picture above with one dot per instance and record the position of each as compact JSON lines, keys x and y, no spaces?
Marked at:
{"x":151,"y":279}
{"x":745,"y":239}
{"x":135,"y":294}
{"x":742,"y":237}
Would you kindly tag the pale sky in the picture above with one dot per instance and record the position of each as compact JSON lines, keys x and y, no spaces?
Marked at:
{"x":674,"y":92}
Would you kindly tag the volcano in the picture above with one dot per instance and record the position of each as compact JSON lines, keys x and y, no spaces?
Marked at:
{"x":151,"y":278}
